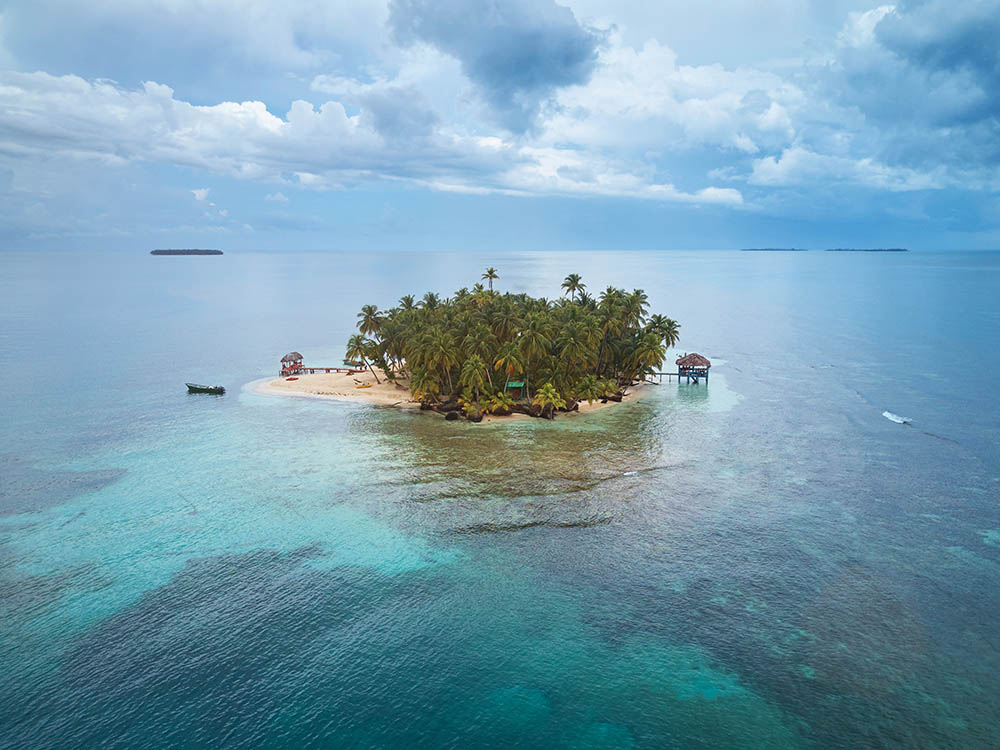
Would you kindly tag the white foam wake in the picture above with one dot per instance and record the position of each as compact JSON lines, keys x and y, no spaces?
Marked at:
{"x":895,"y":418}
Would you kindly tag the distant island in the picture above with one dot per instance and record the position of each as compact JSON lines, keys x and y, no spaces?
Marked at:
{"x":192,"y":251}
{"x":481,"y":353}
{"x":829,"y":250}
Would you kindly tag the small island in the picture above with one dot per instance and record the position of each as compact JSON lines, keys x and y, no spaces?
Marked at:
{"x":191,"y":251}
{"x":483,"y":354}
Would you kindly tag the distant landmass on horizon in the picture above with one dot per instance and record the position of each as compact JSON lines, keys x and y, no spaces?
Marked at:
{"x":829,"y":250}
{"x":192,"y":251}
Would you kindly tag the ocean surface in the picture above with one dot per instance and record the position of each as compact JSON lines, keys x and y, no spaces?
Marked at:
{"x":765,"y":561}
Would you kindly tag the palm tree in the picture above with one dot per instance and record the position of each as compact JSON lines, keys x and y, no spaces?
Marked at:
{"x":509,"y":359}
{"x":479,"y":342}
{"x":588,"y":388}
{"x":369,"y":322}
{"x":504,"y":320}
{"x":479,"y":295}
{"x":472,"y":374}
{"x":607,"y":387}
{"x":534,"y":341}
{"x":549,"y":399}
{"x":656,"y":324}
{"x":550,"y":370}
{"x":357,"y":348}
{"x":609,"y":309}
{"x":491,"y":273}
{"x":424,"y":386}
{"x":441,"y":351}
{"x":666,"y":328}
{"x":407,"y":302}
{"x":574,"y":345}
{"x":502,"y":402}
{"x":572,"y":285}
{"x":671,"y":333}
{"x":390,"y":331}
{"x":430,"y":301}
{"x":636,"y":306}
{"x":649,"y":354}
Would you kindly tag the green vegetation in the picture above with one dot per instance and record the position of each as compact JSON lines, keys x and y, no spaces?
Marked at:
{"x":466,"y":349}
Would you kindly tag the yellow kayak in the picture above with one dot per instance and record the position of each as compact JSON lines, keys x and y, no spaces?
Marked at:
{"x":364,"y":385}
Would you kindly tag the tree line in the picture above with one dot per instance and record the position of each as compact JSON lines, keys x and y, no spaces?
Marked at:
{"x":473,"y":344}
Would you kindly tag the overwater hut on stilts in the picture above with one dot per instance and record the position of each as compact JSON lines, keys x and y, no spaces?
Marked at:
{"x":291,"y":364}
{"x":693,"y":366}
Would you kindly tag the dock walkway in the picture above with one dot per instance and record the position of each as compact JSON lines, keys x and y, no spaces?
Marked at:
{"x":680,"y":375}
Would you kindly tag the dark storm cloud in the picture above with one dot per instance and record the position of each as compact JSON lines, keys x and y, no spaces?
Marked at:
{"x":516,"y":51}
{"x":946,"y":35}
{"x":954,"y":41}
{"x":928,"y":80}
{"x":398,"y":112}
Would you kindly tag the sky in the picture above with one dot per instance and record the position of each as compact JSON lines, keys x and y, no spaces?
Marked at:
{"x":366,"y":125}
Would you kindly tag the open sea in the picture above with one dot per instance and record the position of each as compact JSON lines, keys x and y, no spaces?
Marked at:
{"x":766,"y":562}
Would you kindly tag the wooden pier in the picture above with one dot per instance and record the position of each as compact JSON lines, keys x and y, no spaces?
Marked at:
{"x":313,"y":370}
{"x":679,"y":375}
{"x":291,"y":364}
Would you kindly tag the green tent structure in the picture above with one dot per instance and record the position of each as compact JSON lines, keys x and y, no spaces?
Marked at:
{"x":516,"y":385}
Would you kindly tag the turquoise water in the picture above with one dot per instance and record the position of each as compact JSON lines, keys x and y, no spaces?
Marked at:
{"x":765,"y":562}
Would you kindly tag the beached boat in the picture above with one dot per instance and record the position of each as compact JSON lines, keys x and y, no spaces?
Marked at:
{"x":217,"y":390}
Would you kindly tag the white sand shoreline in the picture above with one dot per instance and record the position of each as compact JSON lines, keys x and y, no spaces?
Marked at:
{"x":344,"y":387}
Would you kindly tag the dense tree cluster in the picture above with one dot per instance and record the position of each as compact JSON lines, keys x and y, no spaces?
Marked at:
{"x":472,"y":345}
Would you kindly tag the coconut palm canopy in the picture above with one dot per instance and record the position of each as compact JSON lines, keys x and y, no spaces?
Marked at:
{"x":292,"y":357}
{"x":693,"y":360}
{"x":475,"y":343}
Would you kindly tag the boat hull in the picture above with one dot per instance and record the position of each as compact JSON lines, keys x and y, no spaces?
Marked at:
{"x":215,"y":390}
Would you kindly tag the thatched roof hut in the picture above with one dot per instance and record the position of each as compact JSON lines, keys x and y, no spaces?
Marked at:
{"x":291,"y":357}
{"x":693,"y":361}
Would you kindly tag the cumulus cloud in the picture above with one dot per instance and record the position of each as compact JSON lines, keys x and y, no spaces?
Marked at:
{"x":44,"y":114}
{"x":313,"y":147}
{"x":577,"y":173}
{"x":797,"y":167}
{"x":859,"y":30}
{"x":571,"y":172}
{"x":395,"y":105}
{"x":517,"y":52}
{"x":645,"y":98}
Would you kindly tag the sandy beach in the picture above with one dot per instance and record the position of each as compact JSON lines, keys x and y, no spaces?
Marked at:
{"x":344,"y":387}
